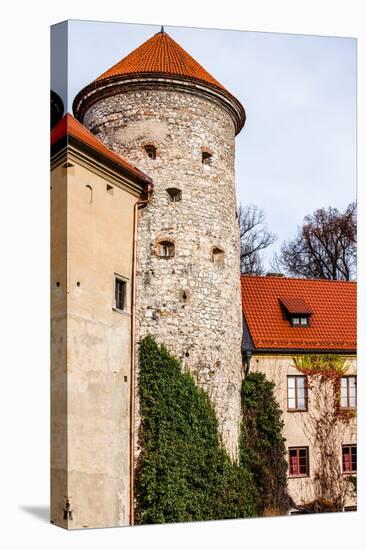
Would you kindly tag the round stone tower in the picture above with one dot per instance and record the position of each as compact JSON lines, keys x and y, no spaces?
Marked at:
{"x":165,"y":114}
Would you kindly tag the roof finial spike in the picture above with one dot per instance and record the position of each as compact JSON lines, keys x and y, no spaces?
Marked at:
{"x":162,"y":29}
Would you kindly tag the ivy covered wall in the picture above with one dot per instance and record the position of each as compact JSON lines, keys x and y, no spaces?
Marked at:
{"x":183,"y":471}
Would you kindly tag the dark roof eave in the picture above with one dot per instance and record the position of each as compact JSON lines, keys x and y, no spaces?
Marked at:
{"x":132,"y":173}
{"x":85,"y":98}
{"x":302,"y":351}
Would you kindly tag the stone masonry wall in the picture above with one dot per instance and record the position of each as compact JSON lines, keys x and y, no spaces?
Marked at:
{"x":187,"y":302}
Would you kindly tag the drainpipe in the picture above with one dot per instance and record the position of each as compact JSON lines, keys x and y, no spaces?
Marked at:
{"x":137,"y":205}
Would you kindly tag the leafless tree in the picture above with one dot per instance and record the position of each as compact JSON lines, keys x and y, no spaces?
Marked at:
{"x":324,"y":247}
{"x":254,"y":237}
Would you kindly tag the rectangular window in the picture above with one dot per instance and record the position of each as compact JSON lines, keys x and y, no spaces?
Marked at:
{"x":297,"y":393}
{"x":120,"y":293}
{"x":298,"y":461}
{"x":349,"y":458}
{"x":348,"y":392}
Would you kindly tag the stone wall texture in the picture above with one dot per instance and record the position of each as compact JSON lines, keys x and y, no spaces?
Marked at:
{"x":188,"y":302}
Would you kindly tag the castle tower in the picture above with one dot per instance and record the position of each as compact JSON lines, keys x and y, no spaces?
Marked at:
{"x":168,"y":116}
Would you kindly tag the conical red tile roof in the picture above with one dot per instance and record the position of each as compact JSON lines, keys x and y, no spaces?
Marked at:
{"x":158,"y":60}
{"x":161,"y":55}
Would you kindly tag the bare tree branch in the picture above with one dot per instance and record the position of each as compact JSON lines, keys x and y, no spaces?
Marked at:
{"x":324,"y":247}
{"x":254,"y":237}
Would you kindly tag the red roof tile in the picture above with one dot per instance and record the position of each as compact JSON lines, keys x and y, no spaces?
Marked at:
{"x":332,"y":323}
{"x":295,"y":305}
{"x":69,"y":126}
{"x":161,"y":55}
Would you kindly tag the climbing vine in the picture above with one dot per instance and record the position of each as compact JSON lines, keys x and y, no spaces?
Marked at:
{"x":183,"y":472}
{"x":324,"y":425}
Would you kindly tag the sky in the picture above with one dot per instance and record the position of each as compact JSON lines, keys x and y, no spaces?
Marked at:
{"x":297,"y":150}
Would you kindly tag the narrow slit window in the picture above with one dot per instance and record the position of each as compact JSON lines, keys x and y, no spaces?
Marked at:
{"x":120,"y":293}
{"x":89,"y":193}
{"x":150,"y":151}
{"x":217,"y":256}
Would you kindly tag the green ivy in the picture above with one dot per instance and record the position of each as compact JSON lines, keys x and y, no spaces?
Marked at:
{"x":262,"y":447}
{"x":183,"y":472}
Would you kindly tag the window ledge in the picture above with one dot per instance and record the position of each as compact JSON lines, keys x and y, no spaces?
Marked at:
{"x":121,"y":311}
{"x":297,"y":410}
{"x":299,"y":476}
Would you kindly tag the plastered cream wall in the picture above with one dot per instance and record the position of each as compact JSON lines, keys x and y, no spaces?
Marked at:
{"x":58,"y":341}
{"x":96,"y":370}
{"x":299,"y":426}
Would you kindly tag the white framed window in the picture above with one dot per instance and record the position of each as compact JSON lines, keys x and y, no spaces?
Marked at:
{"x":348,"y":392}
{"x":297,"y":393}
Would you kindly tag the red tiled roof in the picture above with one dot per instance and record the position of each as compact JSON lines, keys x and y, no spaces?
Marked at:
{"x":332,"y":323}
{"x":69,"y":126}
{"x":295,"y":305}
{"x":161,"y":55}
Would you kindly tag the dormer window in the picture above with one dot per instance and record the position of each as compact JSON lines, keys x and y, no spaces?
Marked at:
{"x":299,"y":320}
{"x":175,"y":195}
{"x":296,"y":311}
{"x":150,"y":151}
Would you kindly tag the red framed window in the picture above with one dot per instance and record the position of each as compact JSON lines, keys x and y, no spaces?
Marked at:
{"x":348,"y":392}
{"x":298,"y":461}
{"x":297,"y":393}
{"x":349,"y":458}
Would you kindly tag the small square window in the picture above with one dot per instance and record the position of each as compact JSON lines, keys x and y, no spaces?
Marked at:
{"x":206,"y":158}
{"x":175,"y":195}
{"x":349,"y":458}
{"x":166,"y":249}
{"x":298,"y":461}
{"x":120,"y":293}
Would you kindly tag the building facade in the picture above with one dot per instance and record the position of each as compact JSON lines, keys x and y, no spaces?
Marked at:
{"x":93,"y":198}
{"x":302,"y":335}
{"x":167,"y":115}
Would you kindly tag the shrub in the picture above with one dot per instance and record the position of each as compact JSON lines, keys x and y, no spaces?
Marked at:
{"x":262,"y":448}
{"x":183,"y":472}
